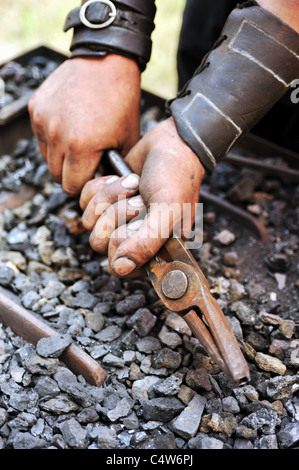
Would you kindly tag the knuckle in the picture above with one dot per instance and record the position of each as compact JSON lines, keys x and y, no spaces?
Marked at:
{"x":93,"y":186}
{"x":87,"y":222}
{"x":70,"y":188}
{"x":31,"y":106}
{"x":53,"y":130}
{"x":77,"y":143}
{"x":98,"y":244}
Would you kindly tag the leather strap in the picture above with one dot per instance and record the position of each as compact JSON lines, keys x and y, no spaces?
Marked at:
{"x":145,"y":7}
{"x":250,"y":68}
{"x":128,"y":33}
{"x":98,"y":14}
{"x":114,"y":39}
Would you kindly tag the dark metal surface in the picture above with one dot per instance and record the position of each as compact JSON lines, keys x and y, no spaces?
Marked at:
{"x":263,"y":148}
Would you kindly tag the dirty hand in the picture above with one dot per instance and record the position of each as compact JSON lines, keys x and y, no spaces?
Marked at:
{"x":85,"y":107}
{"x":167,"y":176}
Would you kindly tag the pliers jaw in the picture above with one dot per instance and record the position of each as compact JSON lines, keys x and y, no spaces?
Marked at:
{"x":183,"y":288}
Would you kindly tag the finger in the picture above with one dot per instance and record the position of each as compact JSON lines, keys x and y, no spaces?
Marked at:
{"x":137,"y":155}
{"x":55,"y":150}
{"x":39,"y":133}
{"x":43,"y":148}
{"x":109,"y":193}
{"x":118,"y":237}
{"x":116,"y":215}
{"x":92,"y":187}
{"x":55,"y":159}
{"x":142,"y":246}
{"x":123,"y":186}
{"x":79,"y":166}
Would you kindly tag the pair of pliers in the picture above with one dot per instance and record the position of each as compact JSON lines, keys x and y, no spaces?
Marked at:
{"x":183,"y":288}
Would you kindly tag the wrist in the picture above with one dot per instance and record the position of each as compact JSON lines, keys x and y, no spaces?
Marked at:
{"x":183,"y":152}
{"x":125,"y":67}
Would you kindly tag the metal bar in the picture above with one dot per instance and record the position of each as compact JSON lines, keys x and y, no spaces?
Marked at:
{"x":261,"y":147}
{"x":239,"y":214}
{"x":29,"y":327}
{"x":267,"y":168}
{"x":118,"y":164}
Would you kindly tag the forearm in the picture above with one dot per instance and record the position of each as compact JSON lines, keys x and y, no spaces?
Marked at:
{"x":286,"y":10}
{"x":251,"y":67}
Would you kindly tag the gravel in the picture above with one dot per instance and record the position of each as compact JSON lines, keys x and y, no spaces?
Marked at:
{"x":19,"y":79}
{"x":162,"y":390}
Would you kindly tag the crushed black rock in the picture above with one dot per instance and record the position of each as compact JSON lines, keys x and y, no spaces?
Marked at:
{"x":162,"y":390}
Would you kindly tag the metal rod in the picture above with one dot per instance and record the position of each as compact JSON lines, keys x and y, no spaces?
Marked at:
{"x":118,"y":163}
{"x":239,"y":214}
{"x":30,"y":328}
{"x":267,"y":168}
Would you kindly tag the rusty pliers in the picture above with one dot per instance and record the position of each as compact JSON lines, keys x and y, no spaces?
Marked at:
{"x":183,"y":288}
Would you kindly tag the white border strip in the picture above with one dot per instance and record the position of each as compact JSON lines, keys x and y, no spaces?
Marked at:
{"x":219,"y":111}
{"x":253,"y":59}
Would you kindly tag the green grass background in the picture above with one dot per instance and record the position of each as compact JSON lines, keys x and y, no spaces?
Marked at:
{"x":26,"y":24}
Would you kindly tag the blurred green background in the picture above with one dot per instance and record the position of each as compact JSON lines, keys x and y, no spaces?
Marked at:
{"x":26,"y":24}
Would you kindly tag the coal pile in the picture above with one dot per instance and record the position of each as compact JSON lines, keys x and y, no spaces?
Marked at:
{"x":162,"y":390}
{"x":18,"y":79}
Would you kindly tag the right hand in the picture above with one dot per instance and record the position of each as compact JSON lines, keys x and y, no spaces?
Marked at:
{"x":85,"y":107}
{"x":170,"y":179}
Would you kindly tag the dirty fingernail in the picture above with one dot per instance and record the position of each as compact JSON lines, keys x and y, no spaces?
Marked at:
{"x":131,"y":182}
{"x":136,"y":202}
{"x":123,"y":266}
{"x":135,"y":225}
{"x":112,"y":179}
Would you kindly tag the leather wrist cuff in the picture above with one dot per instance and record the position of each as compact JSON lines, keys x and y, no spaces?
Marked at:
{"x":119,"y":27}
{"x":252,"y":65}
{"x":145,"y":7}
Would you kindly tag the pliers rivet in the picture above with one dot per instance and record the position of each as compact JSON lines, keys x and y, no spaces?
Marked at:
{"x":175,"y":284}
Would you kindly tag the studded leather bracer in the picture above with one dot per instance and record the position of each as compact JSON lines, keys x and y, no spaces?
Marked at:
{"x":250,"y":68}
{"x":106,"y":26}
